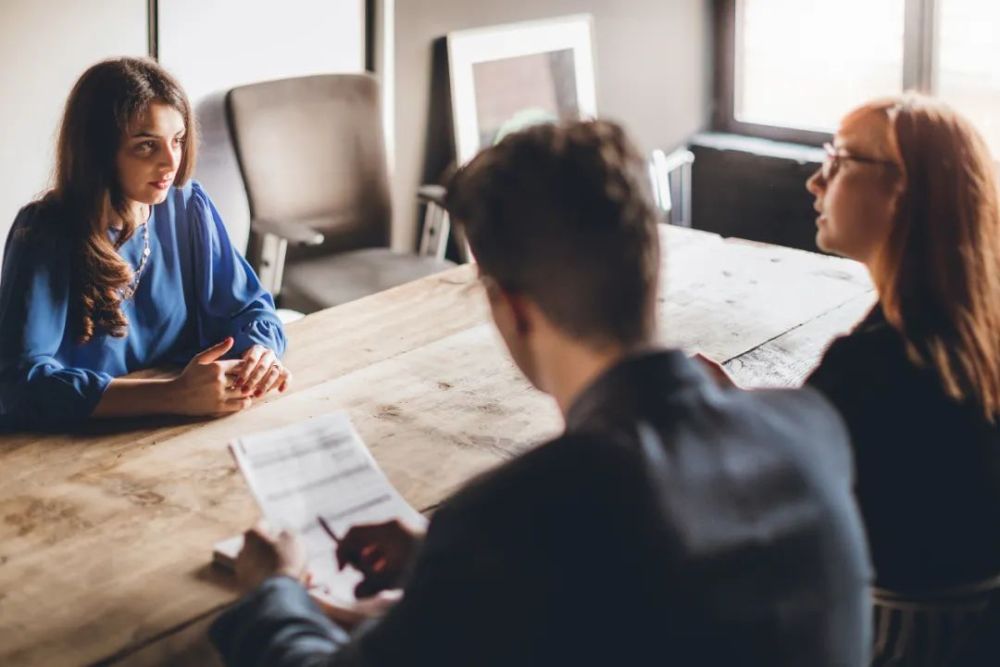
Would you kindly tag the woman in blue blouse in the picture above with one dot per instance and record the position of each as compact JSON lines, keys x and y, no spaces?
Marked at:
{"x":124,"y":265}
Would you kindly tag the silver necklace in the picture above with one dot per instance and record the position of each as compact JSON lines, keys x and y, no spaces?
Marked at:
{"x":129,"y":291}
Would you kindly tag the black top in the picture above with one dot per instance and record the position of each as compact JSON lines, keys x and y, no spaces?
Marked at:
{"x":673,"y":523}
{"x":928,"y":468}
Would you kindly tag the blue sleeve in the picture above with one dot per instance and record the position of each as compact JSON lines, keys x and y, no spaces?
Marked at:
{"x":277,"y":625}
{"x":35,"y":388}
{"x":231,"y":301}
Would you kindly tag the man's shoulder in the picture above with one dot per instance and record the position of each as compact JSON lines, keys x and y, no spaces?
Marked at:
{"x":801,"y":428}
{"x":563,"y":466}
{"x":566,"y":454}
{"x":802,"y":415}
{"x":802,"y":407}
{"x":798,"y":426}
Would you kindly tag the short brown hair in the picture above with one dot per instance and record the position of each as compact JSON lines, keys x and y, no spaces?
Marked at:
{"x":564,"y":214}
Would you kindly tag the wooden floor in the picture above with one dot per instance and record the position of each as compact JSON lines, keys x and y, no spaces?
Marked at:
{"x":105,"y":536}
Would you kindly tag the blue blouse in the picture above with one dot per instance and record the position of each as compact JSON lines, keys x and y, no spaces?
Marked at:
{"x":194,"y":291}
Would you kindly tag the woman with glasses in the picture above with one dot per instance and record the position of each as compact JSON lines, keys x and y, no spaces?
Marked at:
{"x":909,"y":189}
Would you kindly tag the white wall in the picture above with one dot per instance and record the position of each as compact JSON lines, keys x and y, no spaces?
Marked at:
{"x":210,"y":45}
{"x":214,"y":45}
{"x":652,"y":67}
{"x":44,"y":46}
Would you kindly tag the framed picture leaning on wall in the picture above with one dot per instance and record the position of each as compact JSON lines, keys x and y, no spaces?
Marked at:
{"x":506,"y":77}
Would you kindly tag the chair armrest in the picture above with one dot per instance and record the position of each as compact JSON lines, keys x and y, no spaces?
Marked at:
{"x":432,"y":194}
{"x":437,"y":223}
{"x":671,"y":177}
{"x":296,"y":233}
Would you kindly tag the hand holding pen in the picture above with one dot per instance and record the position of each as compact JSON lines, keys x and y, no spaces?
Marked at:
{"x":379,"y":551}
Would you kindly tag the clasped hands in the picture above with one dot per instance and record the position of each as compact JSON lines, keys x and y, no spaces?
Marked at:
{"x":211,"y":385}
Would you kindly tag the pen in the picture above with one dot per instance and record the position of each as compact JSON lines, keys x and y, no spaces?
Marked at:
{"x":328,"y":530}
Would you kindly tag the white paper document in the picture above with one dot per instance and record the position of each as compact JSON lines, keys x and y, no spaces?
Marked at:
{"x":318,"y":468}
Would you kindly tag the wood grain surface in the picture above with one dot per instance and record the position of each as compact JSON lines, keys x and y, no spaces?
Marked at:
{"x":106,"y":533}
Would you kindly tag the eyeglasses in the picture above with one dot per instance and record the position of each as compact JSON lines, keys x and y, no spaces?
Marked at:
{"x":831,"y":165}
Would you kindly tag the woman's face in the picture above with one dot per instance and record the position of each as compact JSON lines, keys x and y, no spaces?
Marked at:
{"x":857,"y":188}
{"x":151,"y":153}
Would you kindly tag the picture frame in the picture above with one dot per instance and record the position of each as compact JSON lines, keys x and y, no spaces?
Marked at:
{"x":509,"y":76}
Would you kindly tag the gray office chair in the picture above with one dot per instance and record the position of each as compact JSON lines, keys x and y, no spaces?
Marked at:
{"x":312,"y":155}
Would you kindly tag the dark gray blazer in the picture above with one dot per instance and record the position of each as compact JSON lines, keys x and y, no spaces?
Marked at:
{"x":672,"y":523}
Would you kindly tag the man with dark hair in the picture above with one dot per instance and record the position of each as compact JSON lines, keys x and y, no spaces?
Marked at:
{"x":673,"y":522}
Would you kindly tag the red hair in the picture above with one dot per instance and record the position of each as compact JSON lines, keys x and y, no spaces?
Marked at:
{"x":939,"y":271}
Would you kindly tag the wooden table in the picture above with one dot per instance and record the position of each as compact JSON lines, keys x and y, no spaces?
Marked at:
{"x":105,"y":536}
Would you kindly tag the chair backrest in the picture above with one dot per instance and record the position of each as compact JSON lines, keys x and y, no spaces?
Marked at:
{"x":671,"y":178}
{"x":312,"y":148}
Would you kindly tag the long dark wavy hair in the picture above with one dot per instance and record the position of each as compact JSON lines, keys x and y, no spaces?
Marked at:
{"x":87,"y":192}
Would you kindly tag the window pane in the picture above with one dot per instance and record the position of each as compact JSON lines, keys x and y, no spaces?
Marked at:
{"x":968,"y":63}
{"x":805,"y":63}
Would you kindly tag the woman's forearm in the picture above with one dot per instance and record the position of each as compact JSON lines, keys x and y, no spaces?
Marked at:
{"x":126,"y":397}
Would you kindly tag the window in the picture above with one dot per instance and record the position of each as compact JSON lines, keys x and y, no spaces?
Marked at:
{"x":790,"y":69}
{"x":967,"y":64}
{"x":799,"y":62}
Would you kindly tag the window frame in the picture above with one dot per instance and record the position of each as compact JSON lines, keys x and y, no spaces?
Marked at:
{"x":919,"y":40}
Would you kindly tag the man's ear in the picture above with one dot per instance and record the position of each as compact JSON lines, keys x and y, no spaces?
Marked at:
{"x":514,"y":303}
{"x":520,"y":309}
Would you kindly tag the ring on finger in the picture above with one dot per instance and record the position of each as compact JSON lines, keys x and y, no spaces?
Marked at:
{"x":259,"y":381}
{"x":258,"y":372}
{"x":269,"y":381}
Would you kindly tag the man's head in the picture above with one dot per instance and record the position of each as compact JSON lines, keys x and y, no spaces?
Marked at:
{"x":562,"y":224}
